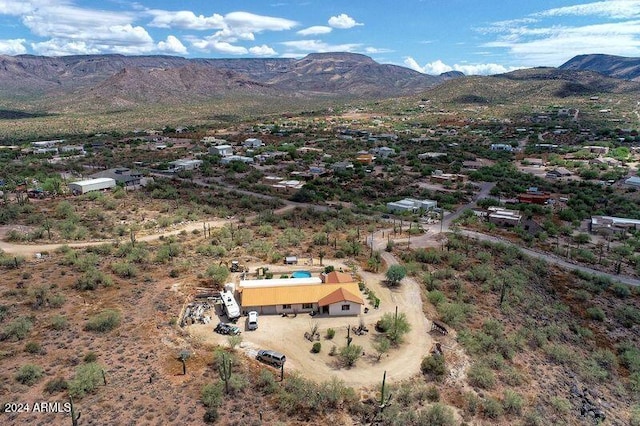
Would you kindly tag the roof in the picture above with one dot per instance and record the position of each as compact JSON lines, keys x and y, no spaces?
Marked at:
{"x":335,"y":277}
{"x":340,"y":295}
{"x":94,"y":181}
{"x":268,"y":296}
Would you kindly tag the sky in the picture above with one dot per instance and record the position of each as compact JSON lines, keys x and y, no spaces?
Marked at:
{"x":430,"y":36}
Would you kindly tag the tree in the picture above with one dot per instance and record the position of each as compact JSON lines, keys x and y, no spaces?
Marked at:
{"x":350,"y":354}
{"x":217,"y":273}
{"x":395,"y":326}
{"x":581,"y":238}
{"x":374,"y":262}
{"x":395,"y":274}
{"x":381,"y":346}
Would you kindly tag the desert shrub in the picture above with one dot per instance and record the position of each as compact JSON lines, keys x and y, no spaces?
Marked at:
{"x":635,"y":416}
{"x":454,"y":314}
{"x":394,"y":327}
{"x":29,"y":374}
{"x":211,"y":250}
{"x":350,"y":354}
{"x":87,"y":378}
{"x":217,"y":273}
{"x":434,"y":366}
{"x":512,"y":377}
{"x":33,"y":347}
{"x":4,"y":311}
{"x":59,"y":322}
{"x":331,"y":333}
{"x":492,"y":408}
{"x":432,"y":394}
{"x":481,"y":376}
{"x":57,"y":300}
{"x":595,"y":314}
{"x":472,"y":403}
{"x":55,"y":385}
{"x":512,"y":402}
{"x":316,"y":347}
{"x":436,"y":414}
{"x":621,"y":290}
{"x":561,"y":405}
{"x":627,"y":315}
{"x":266,"y":382}
{"x":124,"y":269}
{"x":105,"y":321}
{"x":18,"y":329}
{"x":560,"y":354}
{"x":234,"y":341}
{"x":629,"y":356}
{"x":436,"y":297}
{"x":90,"y":357}
{"x":93,"y":278}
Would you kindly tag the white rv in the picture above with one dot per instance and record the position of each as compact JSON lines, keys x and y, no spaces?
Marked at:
{"x":231,"y":307}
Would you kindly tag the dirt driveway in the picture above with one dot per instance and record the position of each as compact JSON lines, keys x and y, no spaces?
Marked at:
{"x":286,"y":335}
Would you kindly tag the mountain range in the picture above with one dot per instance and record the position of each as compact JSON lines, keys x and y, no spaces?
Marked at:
{"x":55,"y":84}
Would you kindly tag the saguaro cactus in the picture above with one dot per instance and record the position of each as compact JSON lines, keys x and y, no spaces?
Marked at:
{"x":224,"y":369}
{"x":75,"y":416}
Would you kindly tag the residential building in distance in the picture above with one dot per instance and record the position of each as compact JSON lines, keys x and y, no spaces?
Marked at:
{"x":221,"y":150}
{"x":503,"y":217}
{"x":229,"y":158}
{"x":184,"y":165}
{"x":89,"y":185}
{"x":501,"y":147}
{"x":122,"y":175}
{"x":252,"y":143}
{"x":612,"y":224}
{"x":411,"y":205}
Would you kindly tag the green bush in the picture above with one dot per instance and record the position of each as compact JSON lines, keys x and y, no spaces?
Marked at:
{"x":124,"y":269}
{"x":437,"y":414}
{"x":105,"y":321}
{"x":331,"y":333}
{"x":267,"y":382}
{"x":33,"y":348}
{"x":350,"y":354}
{"x":627,"y":315}
{"x":55,"y":385}
{"x":492,"y":408}
{"x":635,"y":416}
{"x":17,"y":329}
{"x":87,"y":378}
{"x":436,"y":297}
{"x":595,"y":314}
{"x":58,"y":322}
{"x":434,"y":366}
{"x":481,"y":376}
{"x":29,"y":374}
{"x":316,"y":347}
{"x":512,"y":402}
{"x":93,"y":278}
{"x":621,"y":290}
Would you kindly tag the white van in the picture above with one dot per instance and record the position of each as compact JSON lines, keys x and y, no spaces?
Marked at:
{"x":271,"y":357}
{"x":252,"y":321}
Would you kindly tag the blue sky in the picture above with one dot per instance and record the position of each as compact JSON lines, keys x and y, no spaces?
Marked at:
{"x":431,"y":36}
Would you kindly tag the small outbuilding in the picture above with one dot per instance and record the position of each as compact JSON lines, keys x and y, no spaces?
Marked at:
{"x":97,"y":184}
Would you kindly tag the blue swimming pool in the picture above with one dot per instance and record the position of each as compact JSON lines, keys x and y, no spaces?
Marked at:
{"x":301,"y":274}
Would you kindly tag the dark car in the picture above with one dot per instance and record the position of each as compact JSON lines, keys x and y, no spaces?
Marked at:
{"x":223,"y":328}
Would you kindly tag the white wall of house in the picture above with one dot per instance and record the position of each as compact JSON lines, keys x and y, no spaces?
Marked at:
{"x":337,"y":310}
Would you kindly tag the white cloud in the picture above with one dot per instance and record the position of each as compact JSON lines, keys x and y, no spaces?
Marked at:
{"x":616,"y":9}
{"x":376,"y":50}
{"x":343,"y":22}
{"x":220,"y":47}
{"x":55,"y":47}
{"x":185,"y":19}
{"x":438,"y":67}
{"x":263,"y":50}
{"x":320,"y":46}
{"x":173,"y":46}
{"x":13,"y":47}
{"x":315,"y":30}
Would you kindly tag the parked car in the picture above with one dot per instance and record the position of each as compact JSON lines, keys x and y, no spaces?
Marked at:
{"x":252,"y":321}
{"x":223,"y":328}
{"x":271,"y":357}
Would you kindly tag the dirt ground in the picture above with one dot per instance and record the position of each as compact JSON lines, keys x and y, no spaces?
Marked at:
{"x":286,"y":335}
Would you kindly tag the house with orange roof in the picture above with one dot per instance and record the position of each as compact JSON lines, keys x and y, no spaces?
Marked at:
{"x":334,"y":299}
{"x":335,"y":277}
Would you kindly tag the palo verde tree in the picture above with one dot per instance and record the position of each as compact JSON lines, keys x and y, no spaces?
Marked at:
{"x":395,"y":274}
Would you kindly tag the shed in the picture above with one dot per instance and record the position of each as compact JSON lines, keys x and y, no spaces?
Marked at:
{"x":291,"y":260}
{"x":97,"y":184}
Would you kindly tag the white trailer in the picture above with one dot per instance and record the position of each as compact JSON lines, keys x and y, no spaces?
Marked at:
{"x":231,"y":307}
{"x":98,"y":184}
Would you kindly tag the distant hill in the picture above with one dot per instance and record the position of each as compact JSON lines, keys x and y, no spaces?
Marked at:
{"x":127,"y":81}
{"x":609,"y":65}
{"x":528,"y":85}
